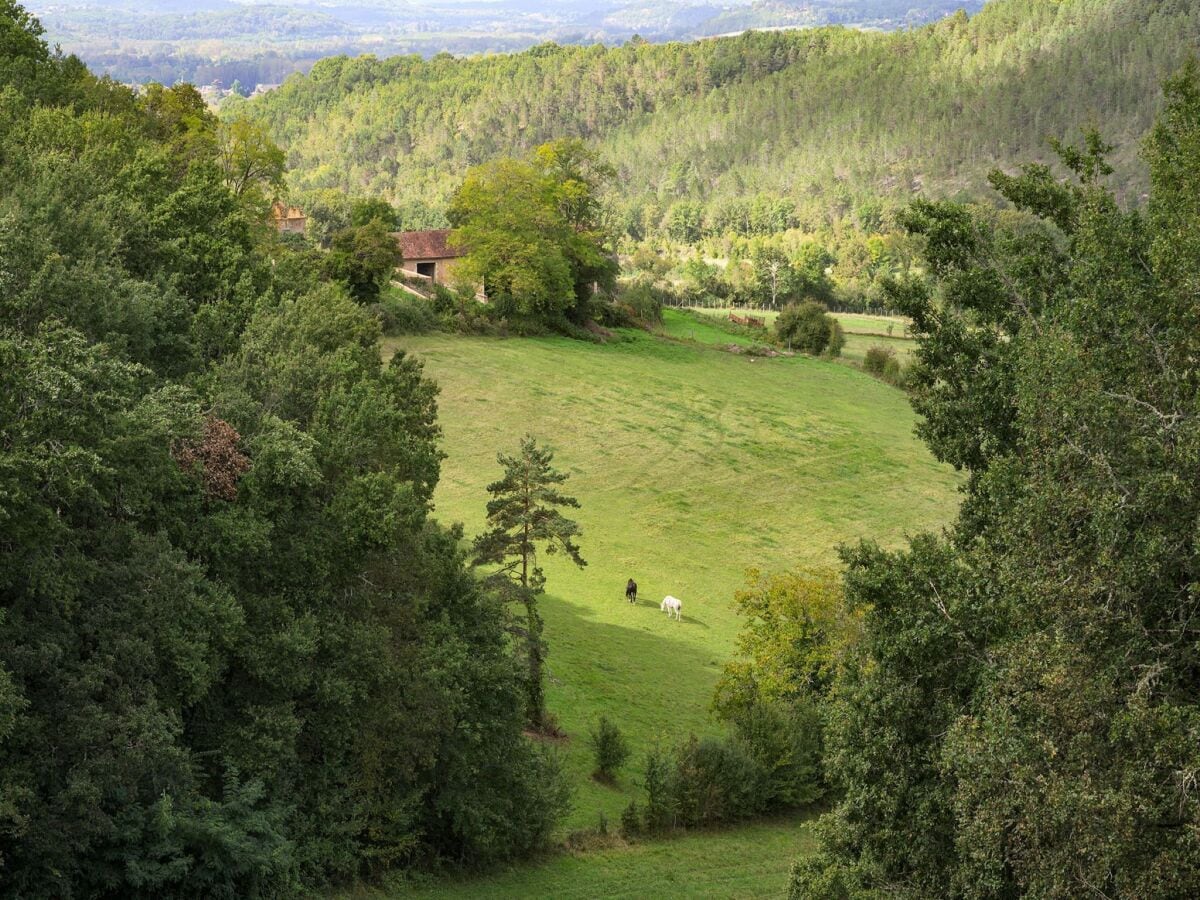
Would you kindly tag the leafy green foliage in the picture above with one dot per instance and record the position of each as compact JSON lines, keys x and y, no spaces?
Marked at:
{"x":609,"y":747}
{"x":711,"y":781}
{"x":363,"y":257}
{"x":237,"y":658}
{"x":248,"y":157}
{"x":532,"y":235}
{"x":795,"y":634}
{"x":1036,"y":665}
{"x":877,"y":358}
{"x":366,"y":210}
{"x":809,"y":328}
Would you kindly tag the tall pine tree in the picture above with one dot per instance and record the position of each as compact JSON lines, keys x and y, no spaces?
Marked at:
{"x":523,"y":514}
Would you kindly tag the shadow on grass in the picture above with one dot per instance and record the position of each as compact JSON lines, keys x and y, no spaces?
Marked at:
{"x":642,"y":603}
{"x":644,"y":675}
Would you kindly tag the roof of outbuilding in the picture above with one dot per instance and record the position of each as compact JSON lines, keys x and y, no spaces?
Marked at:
{"x":283,"y":211}
{"x":426,"y":244}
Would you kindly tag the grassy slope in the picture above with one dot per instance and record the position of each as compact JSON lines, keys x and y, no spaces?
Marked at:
{"x":749,"y":862}
{"x":691,"y":465}
{"x":862,"y":331}
{"x":852,"y":323}
{"x":682,"y":326}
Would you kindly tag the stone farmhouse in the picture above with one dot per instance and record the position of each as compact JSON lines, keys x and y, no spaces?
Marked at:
{"x":427,"y":254}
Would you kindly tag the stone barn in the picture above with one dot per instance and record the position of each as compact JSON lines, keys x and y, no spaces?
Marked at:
{"x":288,"y":219}
{"x":426,"y":253}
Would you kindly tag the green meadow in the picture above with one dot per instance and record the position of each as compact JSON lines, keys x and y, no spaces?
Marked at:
{"x":862,"y":332}
{"x":852,"y":323}
{"x":692,"y":466}
{"x":749,"y":862}
{"x":685,"y":325}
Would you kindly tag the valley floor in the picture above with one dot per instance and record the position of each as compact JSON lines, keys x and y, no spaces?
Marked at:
{"x":691,"y":466}
{"x":747,"y":862}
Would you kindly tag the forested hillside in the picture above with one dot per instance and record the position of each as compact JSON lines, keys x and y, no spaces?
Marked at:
{"x":237,"y":657}
{"x":812,"y":123}
{"x":252,"y":42}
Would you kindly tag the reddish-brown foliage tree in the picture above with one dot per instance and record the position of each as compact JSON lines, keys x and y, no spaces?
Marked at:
{"x":216,"y":454}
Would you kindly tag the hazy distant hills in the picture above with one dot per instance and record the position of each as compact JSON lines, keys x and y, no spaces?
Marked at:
{"x":256,"y":42}
{"x":827,"y":121}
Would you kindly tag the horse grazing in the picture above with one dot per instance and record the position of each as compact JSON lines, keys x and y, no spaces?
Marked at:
{"x":672,"y":605}
{"x":631,"y":591}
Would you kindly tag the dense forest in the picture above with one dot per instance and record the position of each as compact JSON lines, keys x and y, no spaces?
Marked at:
{"x":797,"y":128}
{"x":237,"y":656}
{"x":1014,"y":712}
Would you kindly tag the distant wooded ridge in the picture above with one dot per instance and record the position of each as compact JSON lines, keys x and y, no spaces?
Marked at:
{"x":234,"y":41}
{"x":813,"y":126}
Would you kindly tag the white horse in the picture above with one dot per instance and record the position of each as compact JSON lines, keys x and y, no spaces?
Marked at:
{"x":672,"y":605}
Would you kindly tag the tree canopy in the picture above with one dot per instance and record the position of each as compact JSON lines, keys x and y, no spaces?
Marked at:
{"x":755,"y":133}
{"x":532,"y":234}
{"x":1020,"y":714}
{"x":237,"y":656}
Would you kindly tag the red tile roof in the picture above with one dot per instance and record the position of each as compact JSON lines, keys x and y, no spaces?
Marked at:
{"x":426,"y":244}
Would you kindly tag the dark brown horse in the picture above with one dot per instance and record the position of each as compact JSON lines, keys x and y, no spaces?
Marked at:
{"x":631,"y":591}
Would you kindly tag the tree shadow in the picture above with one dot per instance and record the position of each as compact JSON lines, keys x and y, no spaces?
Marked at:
{"x":646,"y":673}
{"x":656,"y":606}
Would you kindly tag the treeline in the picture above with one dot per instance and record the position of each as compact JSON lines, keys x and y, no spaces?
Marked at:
{"x":1010,"y":708}
{"x":755,"y":133}
{"x":237,"y":655}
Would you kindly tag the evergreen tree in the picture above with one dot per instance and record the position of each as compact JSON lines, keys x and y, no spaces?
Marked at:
{"x":522,"y":515}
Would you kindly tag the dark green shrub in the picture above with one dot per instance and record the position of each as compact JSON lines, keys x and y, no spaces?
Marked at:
{"x":893,"y":372}
{"x":659,"y":783}
{"x":717,"y":781}
{"x":631,"y":820}
{"x":591,"y":333}
{"x":807,"y":327}
{"x":617,"y":315}
{"x":402,"y":313}
{"x":883,"y":363}
{"x":445,"y":300}
{"x":609,"y":747}
{"x":645,"y":300}
{"x":784,"y":740}
{"x":773,"y":764}
{"x":837,"y":338}
{"x":486,"y":833}
{"x":877,"y":358}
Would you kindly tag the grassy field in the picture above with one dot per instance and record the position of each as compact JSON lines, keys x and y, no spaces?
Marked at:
{"x":681,"y":325}
{"x":690,"y":325}
{"x":747,"y":862}
{"x":852,"y":323}
{"x":691,"y":466}
{"x":857,"y":345}
{"x":862,"y":332}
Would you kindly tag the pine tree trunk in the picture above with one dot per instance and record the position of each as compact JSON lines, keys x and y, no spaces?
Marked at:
{"x":535,"y":699}
{"x":535,"y":702}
